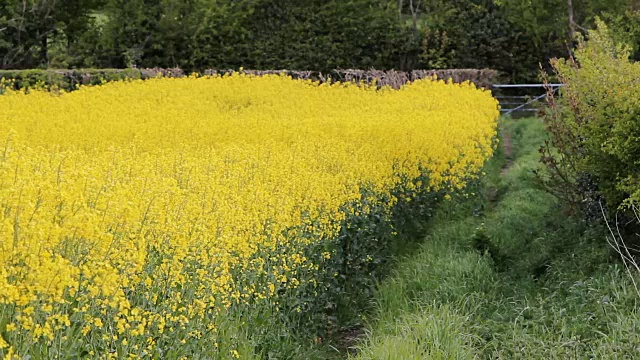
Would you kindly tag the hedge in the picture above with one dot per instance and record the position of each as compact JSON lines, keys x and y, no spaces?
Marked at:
{"x":69,"y":79}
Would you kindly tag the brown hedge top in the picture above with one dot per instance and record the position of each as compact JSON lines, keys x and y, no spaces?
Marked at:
{"x":69,"y":79}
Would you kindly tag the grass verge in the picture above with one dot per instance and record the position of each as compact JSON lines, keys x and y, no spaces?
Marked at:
{"x":505,"y":274}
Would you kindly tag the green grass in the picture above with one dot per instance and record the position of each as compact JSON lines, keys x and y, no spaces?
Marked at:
{"x":506,"y":275}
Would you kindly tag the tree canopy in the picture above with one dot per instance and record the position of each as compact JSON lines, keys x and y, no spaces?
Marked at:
{"x":512,"y":36}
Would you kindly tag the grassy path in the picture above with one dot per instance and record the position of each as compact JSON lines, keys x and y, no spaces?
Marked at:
{"x":505,"y":275}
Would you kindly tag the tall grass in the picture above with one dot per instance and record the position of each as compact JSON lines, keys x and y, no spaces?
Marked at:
{"x":506,"y":275}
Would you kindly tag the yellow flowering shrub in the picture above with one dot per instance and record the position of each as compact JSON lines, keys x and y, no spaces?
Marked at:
{"x":136,"y":216}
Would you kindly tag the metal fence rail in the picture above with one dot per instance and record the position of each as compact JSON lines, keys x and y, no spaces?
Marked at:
{"x":513,"y":100}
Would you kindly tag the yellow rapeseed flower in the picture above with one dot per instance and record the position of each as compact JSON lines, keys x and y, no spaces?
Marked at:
{"x":122,"y":203}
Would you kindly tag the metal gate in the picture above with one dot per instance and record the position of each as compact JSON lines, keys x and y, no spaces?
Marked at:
{"x":521,"y":99}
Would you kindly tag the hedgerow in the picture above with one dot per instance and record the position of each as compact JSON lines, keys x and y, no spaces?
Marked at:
{"x":69,"y":80}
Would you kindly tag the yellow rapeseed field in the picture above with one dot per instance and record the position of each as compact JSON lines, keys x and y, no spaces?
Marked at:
{"x":134,"y":215}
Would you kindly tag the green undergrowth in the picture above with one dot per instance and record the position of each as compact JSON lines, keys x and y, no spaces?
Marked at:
{"x":506,"y":275}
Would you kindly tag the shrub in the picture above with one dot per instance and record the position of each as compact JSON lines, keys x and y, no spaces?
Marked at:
{"x":69,"y":79}
{"x":594,"y":126}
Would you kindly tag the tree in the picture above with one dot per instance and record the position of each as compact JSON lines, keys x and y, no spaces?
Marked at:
{"x":258,"y":34}
{"x":28,"y":28}
{"x":572,"y":22}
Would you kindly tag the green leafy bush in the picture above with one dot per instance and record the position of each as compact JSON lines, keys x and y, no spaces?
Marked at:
{"x":595,"y":126}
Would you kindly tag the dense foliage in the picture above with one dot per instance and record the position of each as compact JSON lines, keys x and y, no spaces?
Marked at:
{"x":512,"y":36}
{"x":594,"y":125}
{"x":215,"y":216}
{"x":68,"y":80}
